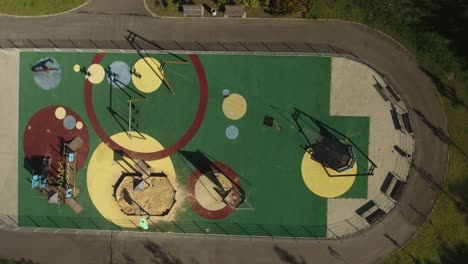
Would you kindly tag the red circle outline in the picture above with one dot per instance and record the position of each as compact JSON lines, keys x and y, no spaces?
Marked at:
{"x":192,"y":199}
{"x":202,"y":105}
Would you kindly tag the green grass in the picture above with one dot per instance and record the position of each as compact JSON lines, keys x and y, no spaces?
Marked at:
{"x":444,"y":238}
{"x":37,"y":7}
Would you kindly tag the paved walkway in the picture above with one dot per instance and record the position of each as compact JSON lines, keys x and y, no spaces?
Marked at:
{"x":9,"y":74}
{"x":368,"y":247}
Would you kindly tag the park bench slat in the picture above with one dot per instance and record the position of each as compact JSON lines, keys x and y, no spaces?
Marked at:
{"x":234,"y":11}
{"x":192,"y":10}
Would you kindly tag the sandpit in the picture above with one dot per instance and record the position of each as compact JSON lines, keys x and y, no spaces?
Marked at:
{"x":156,"y":199}
{"x":206,"y":194}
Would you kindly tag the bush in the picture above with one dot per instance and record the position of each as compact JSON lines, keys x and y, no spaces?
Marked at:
{"x":172,"y":6}
{"x":285,"y":7}
{"x":251,"y":3}
{"x":265,"y":4}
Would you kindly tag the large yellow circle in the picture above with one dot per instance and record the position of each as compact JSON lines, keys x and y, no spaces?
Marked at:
{"x":150,"y":76}
{"x":317,"y":180}
{"x":234,"y":106}
{"x":103,"y":173}
{"x":97,"y":73}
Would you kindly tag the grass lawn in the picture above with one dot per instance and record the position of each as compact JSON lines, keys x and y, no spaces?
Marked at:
{"x":443,"y":239}
{"x":37,"y":7}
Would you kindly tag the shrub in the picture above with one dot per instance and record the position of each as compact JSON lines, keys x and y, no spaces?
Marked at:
{"x":285,"y":7}
{"x":172,"y":6}
{"x":222,"y":3}
{"x":251,"y":3}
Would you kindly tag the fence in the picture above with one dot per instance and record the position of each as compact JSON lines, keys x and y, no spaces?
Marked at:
{"x":192,"y":47}
{"x":352,"y":225}
{"x":134,"y":40}
{"x":179,"y":227}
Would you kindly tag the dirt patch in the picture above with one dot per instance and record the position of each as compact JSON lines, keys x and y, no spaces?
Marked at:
{"x":157,"y":198}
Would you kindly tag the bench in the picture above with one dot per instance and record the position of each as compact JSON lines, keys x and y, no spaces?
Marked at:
{"x":192,"y":10}
{"x":380,"y":90}
{"x":396,"y":121}
{"x":386,"y":91}
{"x":407,"y":122}
{"x":234,"y":11}
{"x":393,"y":93}
{"x":370,"y":212}
{"x":401,"y":151}
{"x":392,"y":186}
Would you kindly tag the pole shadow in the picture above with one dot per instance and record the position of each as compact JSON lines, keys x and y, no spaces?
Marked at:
{"x":159,"y":255}
{"x":429,"y":178}
{"x":447,"y":92}
{"x":396,"y":243}
{"x":287,"y":257}
{"x":439,"y":132}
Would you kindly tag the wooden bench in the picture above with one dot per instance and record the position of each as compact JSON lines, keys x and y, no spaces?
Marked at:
{"x":192,"y":10}
{"x":234,"y":11}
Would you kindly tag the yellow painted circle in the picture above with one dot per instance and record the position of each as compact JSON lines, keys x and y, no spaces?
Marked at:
{"x":234,"y":106}
{"x":150,"y":75}
{"x":97,"y":73}
{"x":60,"y":113}
{"x":76,"y":68}
{"x":318,"y":181}
{"x":206,"y":194}
{"x":103,"y":172}
{"x":79,"y":125}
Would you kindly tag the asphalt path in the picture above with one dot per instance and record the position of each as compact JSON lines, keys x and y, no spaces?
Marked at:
{"x":430,"y":153}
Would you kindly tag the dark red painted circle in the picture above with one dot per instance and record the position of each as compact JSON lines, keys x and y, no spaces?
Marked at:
{"x":42,"y":137}
{"x":203,"y":101}
{"x":192,"y":199}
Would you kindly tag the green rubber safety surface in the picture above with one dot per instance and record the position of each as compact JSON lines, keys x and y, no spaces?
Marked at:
{"x":267,"y":160}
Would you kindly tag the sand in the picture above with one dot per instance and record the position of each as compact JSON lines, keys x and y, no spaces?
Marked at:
{"x":103,"y":173}
{"x":206,"y":194}
{"x":156,"y":199}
